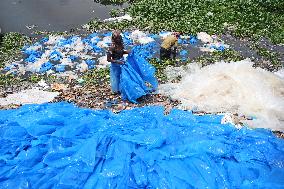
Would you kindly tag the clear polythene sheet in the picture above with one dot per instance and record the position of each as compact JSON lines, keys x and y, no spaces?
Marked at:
{"x":61,"y":146}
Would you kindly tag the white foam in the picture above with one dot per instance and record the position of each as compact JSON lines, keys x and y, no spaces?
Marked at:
{"x":234,"y":87}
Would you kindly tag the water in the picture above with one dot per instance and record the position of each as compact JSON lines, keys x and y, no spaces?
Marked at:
{"x":50,"y":15}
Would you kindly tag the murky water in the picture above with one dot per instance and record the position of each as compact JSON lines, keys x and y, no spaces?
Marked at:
{"x":50,"y":15}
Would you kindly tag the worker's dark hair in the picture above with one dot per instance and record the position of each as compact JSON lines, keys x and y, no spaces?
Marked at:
{"x":116,"y":38}
{"x":177,"y":33}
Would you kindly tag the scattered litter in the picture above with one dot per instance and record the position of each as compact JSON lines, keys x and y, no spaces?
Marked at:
{"x":30,"y":96}
{"x":232,"y":119}
{"x":42,"y":84}
{"x":119,"y":19}
{"x":204,"y":37}
{"x":103,"y":63}
{"x":83,"y":67}
{"x":58,"y":87}
{"x":57,"y":54}
{"x":80,"y":80}
{"x":140,"y":37}
{"x":163,"y":35}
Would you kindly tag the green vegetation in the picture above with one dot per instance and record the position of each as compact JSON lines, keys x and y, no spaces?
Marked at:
{"x":217,"y":56}
{"x":245,"y":18}
{"x":10,"y":50}
{"x":250,"y":18}
{"x":160,"y":67}
{"x":6,"y":80}
{"x":97,"y":76}
{"x":11,"y":45}
{"x":272,"y":57}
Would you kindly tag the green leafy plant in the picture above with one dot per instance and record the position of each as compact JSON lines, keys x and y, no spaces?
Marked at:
{"x":245,"y":18}
{"x":97,"y":76}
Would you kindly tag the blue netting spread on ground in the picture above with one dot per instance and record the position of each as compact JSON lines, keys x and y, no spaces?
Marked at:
{"x":62,"y":146}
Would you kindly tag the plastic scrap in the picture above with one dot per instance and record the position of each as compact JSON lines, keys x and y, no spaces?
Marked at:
{"x":29,"y":96}
{"x":90,"y":63}
{"x":61,"y":146}
{"x":235,"y":87}
{"x":60,"y":68}
{"x":204,"y":37}
{"x":137,"y":77}
{"x":55,"y":56}
{"x":119,"y":19}
{"x":73,"y":51}
{"x":45,"y":67}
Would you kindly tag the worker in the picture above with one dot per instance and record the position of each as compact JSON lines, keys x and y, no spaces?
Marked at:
{"x":169,"y":46}
{"x":115,"y":56}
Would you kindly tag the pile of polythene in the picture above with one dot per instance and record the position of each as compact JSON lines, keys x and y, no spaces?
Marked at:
{"x":57,"y":54}
{"x":62,"y":146}
{"x":234,"y":87}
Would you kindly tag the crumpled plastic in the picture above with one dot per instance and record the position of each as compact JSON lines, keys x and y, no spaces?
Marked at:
{"x":137,"y":77}
{"x":58,"y":145}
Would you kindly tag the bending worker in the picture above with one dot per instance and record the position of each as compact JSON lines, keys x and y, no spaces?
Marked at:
{"x":169,"y":47}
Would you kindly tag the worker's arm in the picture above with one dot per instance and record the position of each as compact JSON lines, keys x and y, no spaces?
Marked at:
{"x":175,"y":50}
{"x":110,"y":59}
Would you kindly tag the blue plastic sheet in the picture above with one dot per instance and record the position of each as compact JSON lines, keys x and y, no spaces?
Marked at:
{"x":137,"y":77}
{"x":45,"y":67}
{"x":61,"y":146}
{"x":31,"y":59}
{"x":143,"y":67}
{"x":60,"y":68}
{"x":91,"y":63}
{"x":131,"y":84}
{"x":55,"y":56}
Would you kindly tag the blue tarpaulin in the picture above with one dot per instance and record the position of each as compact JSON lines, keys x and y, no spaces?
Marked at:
{"x":137,"y":76}
{"x":61,"y":146}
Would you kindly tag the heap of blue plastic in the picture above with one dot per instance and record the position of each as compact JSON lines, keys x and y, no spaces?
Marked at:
{"x":62,"y":146}
{"x":137,"y":76}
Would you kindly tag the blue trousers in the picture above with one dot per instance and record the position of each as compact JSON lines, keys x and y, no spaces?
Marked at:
{"x":115,"y":71}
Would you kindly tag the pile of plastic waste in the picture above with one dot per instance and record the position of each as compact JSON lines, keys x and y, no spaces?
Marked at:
{"x":61,"y":146}
{"x":235,"y":87}
{"x":57,"y":54}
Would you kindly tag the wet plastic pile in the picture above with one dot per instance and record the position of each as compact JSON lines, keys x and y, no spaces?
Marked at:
{"x":57,"y":54}
{"x":62,"y":146}
{"x":234,"y":87}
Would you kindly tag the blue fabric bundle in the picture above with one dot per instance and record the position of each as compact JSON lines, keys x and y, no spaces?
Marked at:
{"x":61,"y":146}
{"x":137,"y":77}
